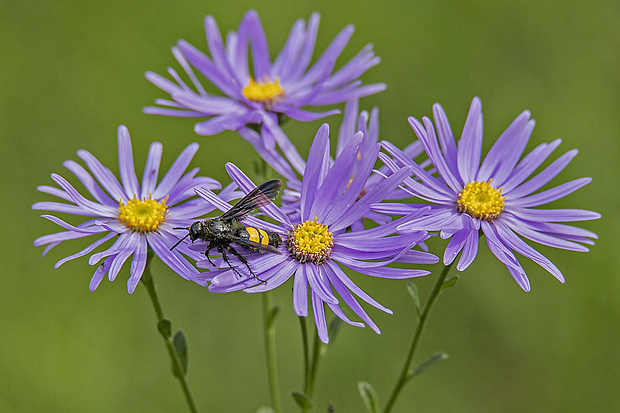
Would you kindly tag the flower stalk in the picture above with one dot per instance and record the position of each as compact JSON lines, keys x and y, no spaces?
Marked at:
{"x":270,"y":312}
{"x":405,"y":372}
{"x":164,"y":326}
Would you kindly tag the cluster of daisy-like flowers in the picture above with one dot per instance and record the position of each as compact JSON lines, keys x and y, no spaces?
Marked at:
{"x":333,"y":214}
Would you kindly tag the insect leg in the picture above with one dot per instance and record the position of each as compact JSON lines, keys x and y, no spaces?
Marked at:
{"x":211,"y":245}
{"x":233,"y":251}
{"x":222,"y":250}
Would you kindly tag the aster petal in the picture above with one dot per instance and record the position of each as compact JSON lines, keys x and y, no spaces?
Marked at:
{"x":180,"y":57}
{"x":301,"y":64}
{"x":89,"y":183}
{"x":86,"y":250}
{"x":300,"y":292}
{"x":426,"y":135}
{"x":354,"y":68}
{"x":105,"y":177}
{"x":470,"y":249}
{"x":88,"y":229}
{"x":529,"y":163}
{"x":46,"y":189}
{"x":313,"y":275}
{"x":336,"y":181}
{"x":506,"y":151}
{"x":221,"y":123}
{"x":272,"y":128}
{"x":138,"y":264}
{"x":505,"y":255}
{"x":355,"y":188}
{"x":517,"y":244}
{"x":554,"y":215}
{"x":151,"y":169}
{"x":470,"y":144}
{"x":125,"y":163}
{"x":216,"y":47}
{"x":171,"y":258}
{"x":277,"y":275}
{"x":446,"y":139}
{"x":128,"y":248}
{"x":304,"y":115}
{"x":319,"y":317}
{"x":205,"y":66}
{"x":260,"y":49}
{"x":316,"y":169}
{"x":429,"y":188}
{"x":94,"y":208}
{"x":549,"y":195}
{"x":456,"y":244}
{"x":287,"y":56}
{"x":529,"y":231}
{"x":175,"y":172}
{"x":100,"y":272}
{"x":543,"y":177}
{"x":328,"y":58}
{"x":272,"y":157}
{"x":348,"y":126}
{"x":376,"y":194}
{"x":54,"y":239}
{"x":246,"y":185}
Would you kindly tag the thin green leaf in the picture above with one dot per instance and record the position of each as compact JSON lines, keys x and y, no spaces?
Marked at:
{"x":428,"y":363}
{"x":265,"y":409}
{"x":180,"y":347}
{"x":165,"y":328}
{"x":449,"y":283}
{"x":413,"y":291}
{"x":369,"y":396}
{"x":303,"y":401}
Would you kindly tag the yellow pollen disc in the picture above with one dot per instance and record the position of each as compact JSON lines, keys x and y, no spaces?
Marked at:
{"x":265,"y":92}
{"x":142,"y":216}
{"x":310,"y":242}
{"x":481,"y":200}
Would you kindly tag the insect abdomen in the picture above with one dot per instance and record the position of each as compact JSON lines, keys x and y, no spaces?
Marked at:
{"x":263,"y":237}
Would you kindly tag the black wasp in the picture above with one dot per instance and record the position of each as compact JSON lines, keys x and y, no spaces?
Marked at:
{"x":223,"y":231}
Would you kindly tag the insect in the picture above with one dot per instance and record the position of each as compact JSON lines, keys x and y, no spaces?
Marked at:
{"x":224,"y":231}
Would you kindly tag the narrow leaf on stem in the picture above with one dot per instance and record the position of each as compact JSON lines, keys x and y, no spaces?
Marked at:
{"x":303,"y":401}
{"x":369,"y":396}
{"x":428,"y":363}
{"x":165,"y":328}
{"x":413,"y":291}
{"x":180,"y":347}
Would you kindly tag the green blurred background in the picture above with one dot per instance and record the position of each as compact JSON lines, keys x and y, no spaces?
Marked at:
{"x":72,"y":71}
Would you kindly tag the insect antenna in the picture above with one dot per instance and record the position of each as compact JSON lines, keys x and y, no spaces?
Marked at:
{"x":181,"y":240}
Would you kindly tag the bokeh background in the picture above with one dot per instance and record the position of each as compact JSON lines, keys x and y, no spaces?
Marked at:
{"x":72,"y":71}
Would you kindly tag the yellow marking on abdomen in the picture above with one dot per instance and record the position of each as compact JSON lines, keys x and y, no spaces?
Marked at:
{"x":258,"y":235}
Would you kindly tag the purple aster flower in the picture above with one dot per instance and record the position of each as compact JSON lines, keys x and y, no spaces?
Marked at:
{"x":355,"y":122}
{"x":263,"y":94}
{"x":495,"y":196}
{"x":137,"y":217}
{"x":316,"y":244}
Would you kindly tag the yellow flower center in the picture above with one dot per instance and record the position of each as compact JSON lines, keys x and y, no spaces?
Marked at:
{"x":310,"y":242}
{"x":265,"y":92}
{"x":481,"y":200}
{"x":142,"y":216}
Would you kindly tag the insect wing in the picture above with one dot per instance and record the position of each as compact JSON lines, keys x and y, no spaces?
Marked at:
{"x":255,"y":245}
{"x":259,"y":196}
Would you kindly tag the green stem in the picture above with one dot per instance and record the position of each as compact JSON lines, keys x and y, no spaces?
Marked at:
{"x":270,"y":350}
{"x":403,"y":378}
{"x":304,"y":340}
{"x":147,"y":280}
{"x":314,"y":365}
